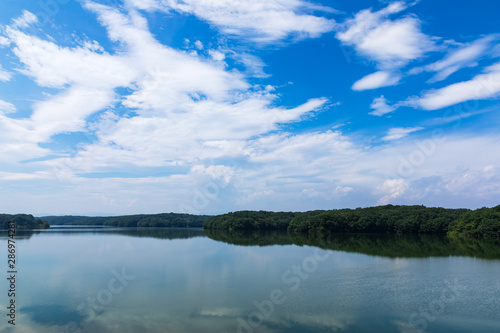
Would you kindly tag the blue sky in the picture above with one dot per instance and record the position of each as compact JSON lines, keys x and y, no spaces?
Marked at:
{"x":147,"y":106}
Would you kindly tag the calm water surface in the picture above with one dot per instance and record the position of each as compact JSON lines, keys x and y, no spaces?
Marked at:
{"x":185,"y":281}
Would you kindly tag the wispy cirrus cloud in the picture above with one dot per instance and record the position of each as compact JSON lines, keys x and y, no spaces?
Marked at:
{"x":4,"y":75}
{"x":481,"y":86}
{"x":397,"y":133}
{"x":25,"y":20}
{"x":465,"y":56}
{"x":262,"y":21}
{"x":6,"y":107}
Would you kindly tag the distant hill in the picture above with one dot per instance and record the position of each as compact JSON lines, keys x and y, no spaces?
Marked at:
{"x":141,"y":220}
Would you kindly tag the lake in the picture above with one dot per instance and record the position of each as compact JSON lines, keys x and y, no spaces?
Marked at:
{"x":189,"y":280}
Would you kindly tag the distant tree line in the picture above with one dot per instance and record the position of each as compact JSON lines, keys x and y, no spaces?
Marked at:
{"x":23,"y":221}
{"x":254,"y":220}
{"x":484,"y":222}
{"x":381,"y":219}
{"x":141,"y":220}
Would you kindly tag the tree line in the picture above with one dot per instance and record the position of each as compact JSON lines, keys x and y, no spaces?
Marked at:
{"x":255,"y":220}
{"x":479,"y":223}
{"x":140,"y":220}
{"x":22,"y":221}
{"x":484,"y":222}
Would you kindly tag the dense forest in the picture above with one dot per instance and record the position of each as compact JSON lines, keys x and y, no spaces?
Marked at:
{"x":255,"y":220}
{"x":381,"y":219}
{"x":484,"y":222}
{"x":141,"y":220}
{"x":23,"y":221}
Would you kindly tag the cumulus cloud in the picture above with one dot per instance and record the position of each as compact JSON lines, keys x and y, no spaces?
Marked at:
{"x":393,"y":189}
{"x":380,"y":106}
{"x":217,"y":55}
{"x":263,"y":21}
{"x":391,"y":43}
{"x":199,"y":45}
{"x":376,"y":80}
{"x":397,"y":133}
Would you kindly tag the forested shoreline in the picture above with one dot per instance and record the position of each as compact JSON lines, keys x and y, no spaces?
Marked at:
{"x":22,"y":221}
{"x":391,"y":219}
{"x":172,"y":220}
{"x":483,"y":222}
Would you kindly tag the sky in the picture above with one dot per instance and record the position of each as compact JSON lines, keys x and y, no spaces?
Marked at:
{"x":113,"y":107}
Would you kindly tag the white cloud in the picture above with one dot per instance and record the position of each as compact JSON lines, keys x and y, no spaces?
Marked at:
{"x":173,"y":94}
{"x":376,"y":80}
{"x":465,"y":56}
{"x":393,"y":189}
{"x":25,"y":20}
{"x":391,"y":44}
{"x":6,"y":176}
{"x":482,"y":86}
{"x":217,"y":55}
{"x":253,"y":64}
{"x":198,"y":45}
{"x":400,"y":132}
{"x":54,"y":66}
{"x":67,"y":112}
{"x":6,"y":107}
{"x":308,"y":148}
{"x":482,"y":179}
{"x":219,"y":172}
{"x":496,"y":51}
{"x":4,"y":76}
{"x":263,"y":21}
{"x":198,"y":122}
{"x":342,"y":190}
{"x":4,"y":41}
{"x":80,"y":96}
{"x":380,"y":106}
